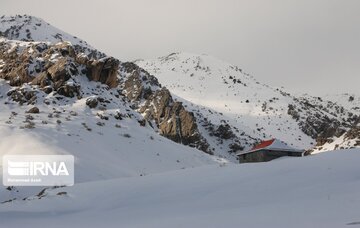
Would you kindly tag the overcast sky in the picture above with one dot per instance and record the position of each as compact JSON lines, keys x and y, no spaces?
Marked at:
{"x":305,"y":45}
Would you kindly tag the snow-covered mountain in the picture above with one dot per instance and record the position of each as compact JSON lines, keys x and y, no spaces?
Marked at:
{"x":139,"y":146}
{"x":256,"y":109}
{"x":59,"y":100}
{"x":231,"y":109}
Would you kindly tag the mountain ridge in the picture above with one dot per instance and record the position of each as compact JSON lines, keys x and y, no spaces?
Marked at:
{"x":226,"y":115}
{"x":205,"y":80}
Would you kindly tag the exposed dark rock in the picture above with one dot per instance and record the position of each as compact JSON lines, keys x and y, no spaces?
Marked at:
{"x":173,"y":120}
{"x":23,"y":96}
{"x":139,"y":83}
{"x":293,"y":113}
{"x":224,"y":132}
{"x":53,"y":68}
{"x":318,"y":121}
{"x":179,"y":124}
{"x":33,"y":110}
{"x":142,"y":122}
{"x":69,"y":90}
{"x":235,"y":147}
{"x":104,"y":71}
{"x":43,"y":79}
{"x":353,"y":133}
{"x":134,"y":87}
{"x":61,"y":72}
{"x":92,"y":102}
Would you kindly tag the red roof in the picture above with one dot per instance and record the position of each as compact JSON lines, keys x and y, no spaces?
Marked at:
{"x":263,"y":144}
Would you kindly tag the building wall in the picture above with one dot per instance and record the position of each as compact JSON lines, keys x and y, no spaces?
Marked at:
{"x":264,"y":156}
{"x":257,"y":156}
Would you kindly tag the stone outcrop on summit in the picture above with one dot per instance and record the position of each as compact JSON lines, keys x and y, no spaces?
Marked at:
{"x":52,"y":66}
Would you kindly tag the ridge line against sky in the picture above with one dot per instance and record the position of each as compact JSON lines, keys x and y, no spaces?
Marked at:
{"x":305,"y":46}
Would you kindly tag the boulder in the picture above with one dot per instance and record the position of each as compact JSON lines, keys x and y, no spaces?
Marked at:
{"x":33,"y":110}
{"x":69,"y":90}
{"x":92,"y":102}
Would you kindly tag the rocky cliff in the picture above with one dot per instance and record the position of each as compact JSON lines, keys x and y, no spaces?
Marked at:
{"x":157,"y":106}
{"x":52,"y":67}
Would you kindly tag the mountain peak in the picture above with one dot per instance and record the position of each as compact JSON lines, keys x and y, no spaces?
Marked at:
{"x":199,"y":59}
{"x":30,"y":28}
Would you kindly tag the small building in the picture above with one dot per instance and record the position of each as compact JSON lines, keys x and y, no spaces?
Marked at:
{"x":269,"y":150}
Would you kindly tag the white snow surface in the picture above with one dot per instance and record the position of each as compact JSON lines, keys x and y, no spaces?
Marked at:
{"x":315,"y":191}
{"x":277,"y":144}
{"x":30,"y":28}
{"x":347,"y":100}
{"x":103,"y":149}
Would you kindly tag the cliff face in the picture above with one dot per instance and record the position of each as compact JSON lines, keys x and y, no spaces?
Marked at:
{"x":157,"y":105}
{"x":52,"y":67}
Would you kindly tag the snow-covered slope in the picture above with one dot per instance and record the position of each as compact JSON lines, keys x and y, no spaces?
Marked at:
{"x":314,"y":191}
{"x":126,"y":148}
{"x":30,"y":28}
{"x":351,"y":138}
{"x":62,"y":109}
{"x":256,"y":109}
{"x":61,"y":98}
{"x":349,"y":101}
{"x":232,"y":109}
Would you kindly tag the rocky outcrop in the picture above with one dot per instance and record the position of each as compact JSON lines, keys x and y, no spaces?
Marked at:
{"x":350,"y":139}
{"x":157,"y":105}
{"x":173,"y":120}
{"x":23,"y":95}
{"x":321,"y":122}
{"x":353,"y":134}
{"x":178,"y":124}
{"x":138,"y":84}
{"x":33,"y":110}
{"x":134,"y":87}
{"x":53,"y":67}
{"x":103,"y":70}
{"x":92,"y":102}
{"x":15,"y":66}
{"x":224,"y":131}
